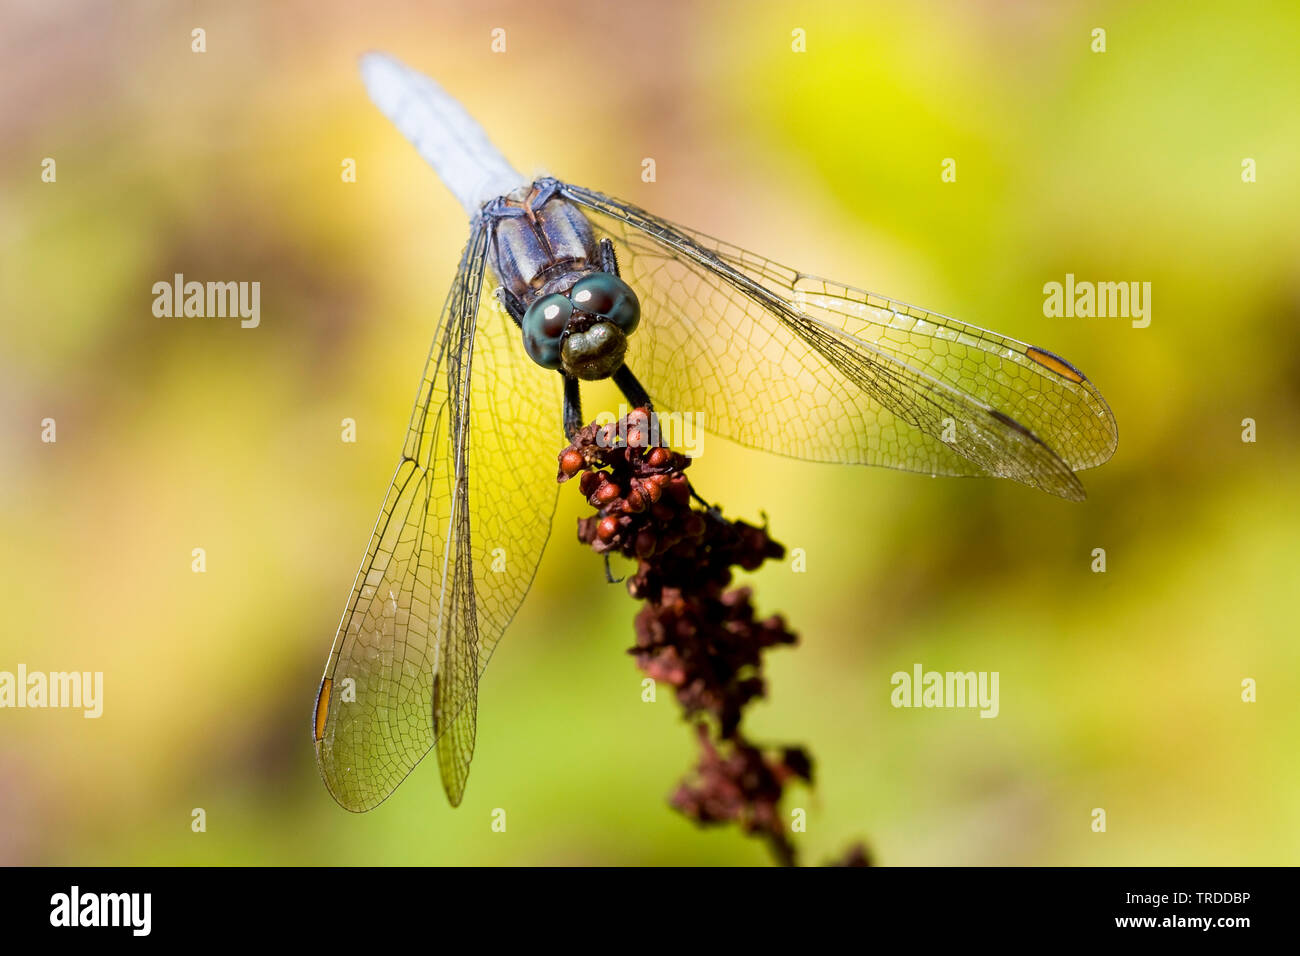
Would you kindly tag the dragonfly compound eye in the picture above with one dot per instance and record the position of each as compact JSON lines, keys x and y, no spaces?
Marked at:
{"x":544,"y":324}
{"x":609,"y":297}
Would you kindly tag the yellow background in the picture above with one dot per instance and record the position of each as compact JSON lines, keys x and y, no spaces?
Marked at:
{"x":1118,"y":690}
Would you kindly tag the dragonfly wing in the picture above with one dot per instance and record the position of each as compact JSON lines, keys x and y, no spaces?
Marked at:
{"x":452,"y":555}
{"x":790,"y":363}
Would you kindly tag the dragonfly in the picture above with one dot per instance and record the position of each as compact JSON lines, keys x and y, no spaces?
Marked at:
{"x":559,"y":284}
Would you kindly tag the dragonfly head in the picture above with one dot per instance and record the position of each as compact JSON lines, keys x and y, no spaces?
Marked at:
{"x":585,"y":330}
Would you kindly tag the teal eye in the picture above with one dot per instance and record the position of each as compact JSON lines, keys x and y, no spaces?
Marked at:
{"x":544,"y":323}
{"x":609,"y":297}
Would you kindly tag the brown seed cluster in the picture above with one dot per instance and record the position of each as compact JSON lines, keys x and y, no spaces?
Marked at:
{"x":736,"y":782}
{"x":694,"y":633}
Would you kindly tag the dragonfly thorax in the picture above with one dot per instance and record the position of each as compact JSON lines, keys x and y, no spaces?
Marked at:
{"x":538,"y":239}
{"x":577,"y":317}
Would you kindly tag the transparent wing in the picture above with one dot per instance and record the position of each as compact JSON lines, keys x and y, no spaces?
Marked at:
{"x":790,"y":363}
{"x":452,"y":555}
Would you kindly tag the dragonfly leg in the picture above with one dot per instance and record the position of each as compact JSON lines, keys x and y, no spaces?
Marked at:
{"x":636,"y":395}
{"x":714,"y":509}
{"x":608,"y":261}
{"x":572,"y":406}
{"x":512,"y":304}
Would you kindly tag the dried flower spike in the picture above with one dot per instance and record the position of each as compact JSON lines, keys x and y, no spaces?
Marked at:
{"x":693,"y":633}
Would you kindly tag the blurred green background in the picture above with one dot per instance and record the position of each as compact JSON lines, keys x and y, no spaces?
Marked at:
{"x":1118,"y":690}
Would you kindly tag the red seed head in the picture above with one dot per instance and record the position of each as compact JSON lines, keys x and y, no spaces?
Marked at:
{"x":645,"y":543}
{"x":607,"y":528}
{"x":571,"y":462}
{"x":679,"y":490}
